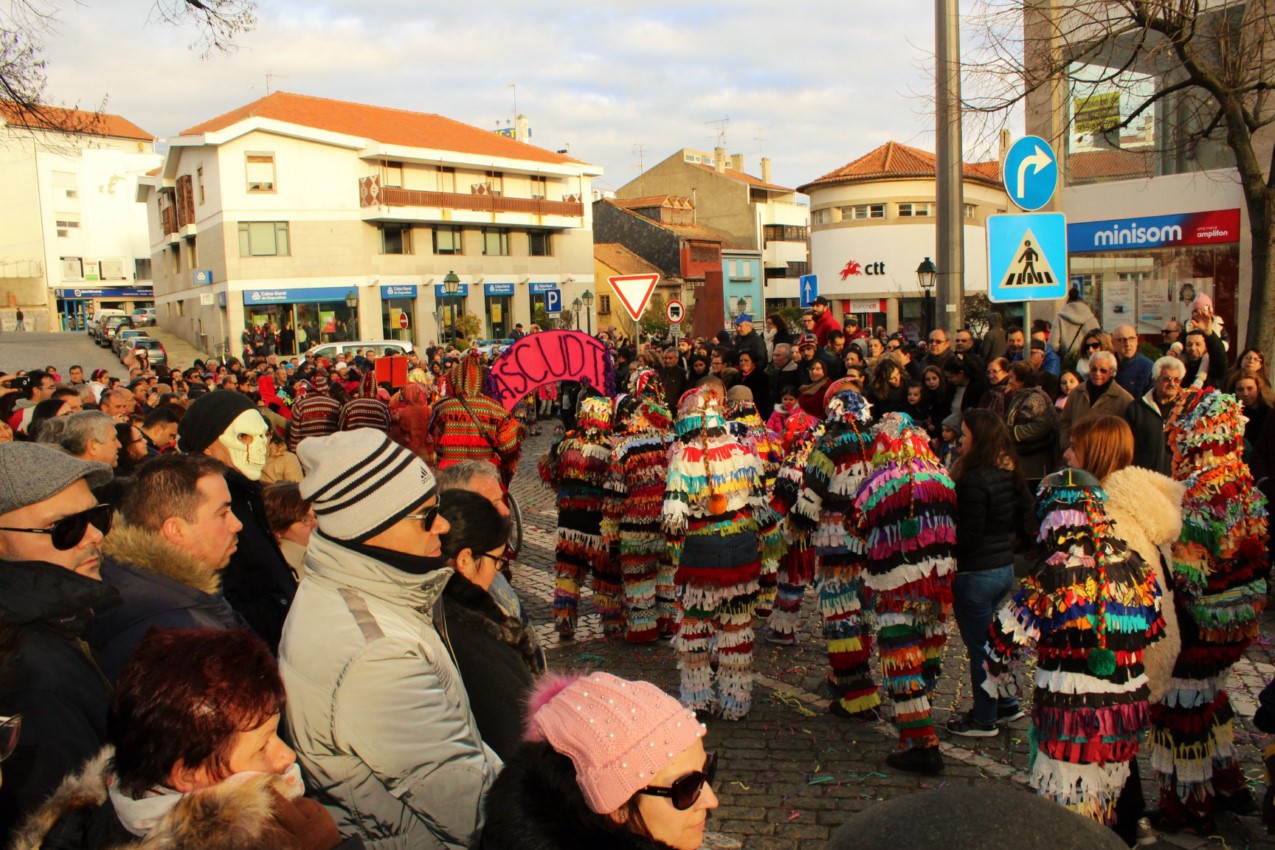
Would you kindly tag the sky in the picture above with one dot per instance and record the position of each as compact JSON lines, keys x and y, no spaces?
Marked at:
{"x":812,"y":84}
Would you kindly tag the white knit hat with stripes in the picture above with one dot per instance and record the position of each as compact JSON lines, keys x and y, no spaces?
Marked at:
{"x":361,"y":482}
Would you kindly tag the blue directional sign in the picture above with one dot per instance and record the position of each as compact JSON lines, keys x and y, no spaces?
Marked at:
{"x":808,"y":288}
{"x":1026,"y":257}
{"x":1030,"y":173}
{"x":553,"y":300}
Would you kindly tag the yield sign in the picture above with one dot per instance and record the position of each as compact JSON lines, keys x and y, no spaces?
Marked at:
{"x":634,"y":291}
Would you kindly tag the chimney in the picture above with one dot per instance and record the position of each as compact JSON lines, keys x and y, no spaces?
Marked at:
{"x":522,"y":129}
{"x":765,"y":169}
{"x":719,"y":160}
{"x":1005,"y":141}
{"x":737,"y":162}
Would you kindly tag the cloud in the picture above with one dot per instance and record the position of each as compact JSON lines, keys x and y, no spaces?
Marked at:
{"x":812,"y":85}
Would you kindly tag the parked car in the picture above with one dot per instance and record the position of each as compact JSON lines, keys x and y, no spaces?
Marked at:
{"x":122,"y":336}
{"x":382,"y":347}
{"x":143,"y":317}
{"x":491,"y":347}
{"x":111,"y":327}
{"x":155,"y":351}
{"x":98,"y":320}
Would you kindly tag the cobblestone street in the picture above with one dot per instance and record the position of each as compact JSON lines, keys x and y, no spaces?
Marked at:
{"x":791,"y":772}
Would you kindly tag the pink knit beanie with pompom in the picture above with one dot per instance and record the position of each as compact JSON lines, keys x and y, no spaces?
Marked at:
{"x":618,"y":734}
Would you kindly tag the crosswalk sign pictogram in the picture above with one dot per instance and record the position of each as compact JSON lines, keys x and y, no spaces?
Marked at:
{"x":1026,"y":257}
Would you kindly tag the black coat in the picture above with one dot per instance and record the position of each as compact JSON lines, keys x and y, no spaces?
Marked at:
{"x":257,"y":582}
{"x":495,"y":657}
{"x":760,"y":385}
{"x":49,"y":678}
{"x":992,"y":510}
{"x":1150,"y":445}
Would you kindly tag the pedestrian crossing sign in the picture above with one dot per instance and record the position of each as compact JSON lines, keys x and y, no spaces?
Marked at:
{"x":1026,"y":257}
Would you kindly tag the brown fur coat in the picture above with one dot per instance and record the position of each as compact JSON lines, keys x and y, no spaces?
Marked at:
{"x":1147,"y":509}
{"x":249,"y":815}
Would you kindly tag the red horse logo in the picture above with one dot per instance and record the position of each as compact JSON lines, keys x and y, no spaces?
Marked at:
{"x":851,"y":268}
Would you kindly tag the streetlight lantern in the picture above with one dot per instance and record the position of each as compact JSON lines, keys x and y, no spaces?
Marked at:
{"x":926,"y":274}
{"x":575,"y":306}
{"x":351,"y":299}
{"x":588,"y":309}
{"x":451,"y":285}
{"x":741,"y":306}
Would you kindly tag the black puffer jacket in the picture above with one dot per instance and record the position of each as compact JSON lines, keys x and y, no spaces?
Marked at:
{"x":258,"y":583}
{"x":1150,"y":446}
{"x":50,"y":679}
{"x":992,"y":510}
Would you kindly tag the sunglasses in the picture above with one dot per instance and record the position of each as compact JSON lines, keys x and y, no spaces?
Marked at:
{"x":10,"y":729}
{"x":431,"y":514}
{"x":1093,"y":346}
{"x":1168,"y":330}
{"x":685,"y":790}
{"x":69,"y":531}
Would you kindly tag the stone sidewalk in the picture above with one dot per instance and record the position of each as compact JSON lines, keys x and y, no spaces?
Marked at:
{"x":790,"y":773}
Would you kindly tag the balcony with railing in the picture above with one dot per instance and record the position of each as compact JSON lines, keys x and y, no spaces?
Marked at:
{"x":373,"y":194}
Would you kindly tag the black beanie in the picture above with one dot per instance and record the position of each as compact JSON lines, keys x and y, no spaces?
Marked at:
{"x":208,"y":417}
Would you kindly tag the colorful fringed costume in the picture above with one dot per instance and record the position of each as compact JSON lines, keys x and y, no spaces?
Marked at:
{"x":1091,"y":607}
{"x":742,"y":413}
{"x":1219,"y":567}
{"x":823,"y":516}
{"x":632,"y":512}
{"x":576,"y":467}
{"x":797,"y":566}
{"x":715,"y":488}
{"x":468,"y":425}
{"x":907,"y":512}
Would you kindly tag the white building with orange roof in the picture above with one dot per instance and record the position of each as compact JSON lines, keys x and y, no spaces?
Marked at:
{"x":334,"y":220}
{"x":873,"y":222}
{"x":72,"y":235}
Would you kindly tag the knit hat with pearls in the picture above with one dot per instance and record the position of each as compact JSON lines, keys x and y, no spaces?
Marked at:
{"x":618,"y":734}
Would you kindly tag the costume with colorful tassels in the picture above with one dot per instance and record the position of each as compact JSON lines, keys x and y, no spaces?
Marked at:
{"x":797,"y":566}
{"x":1091,"y":606}
{"x":576,"y":466}
{"x":741,"y":412}
{"x":632,"y":512}
{"x":715,"y":489}
{"x":907,"y":513}
{"x":823,"y":515}
{"x":468,"y":425}
{"x":1219,"y":567}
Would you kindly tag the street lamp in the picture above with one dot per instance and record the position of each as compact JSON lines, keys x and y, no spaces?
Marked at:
{"x":451,"y":285}
{"x":352,"y":303}
{"x":588,"y":309}
{"x":741,"y":306}
{"x":576,"y":305}
{"x":925,"y":275}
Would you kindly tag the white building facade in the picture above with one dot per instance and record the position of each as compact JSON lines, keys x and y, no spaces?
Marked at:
{"x":72,"y":235}
{"x":331,"y":220}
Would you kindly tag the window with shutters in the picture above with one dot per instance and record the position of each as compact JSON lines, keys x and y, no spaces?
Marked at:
{"x":496,"y":241}
{"x":539,"y":243}
{"x":263,"y":239}
{"x":260,"y":169}
{"x":447,"y":239}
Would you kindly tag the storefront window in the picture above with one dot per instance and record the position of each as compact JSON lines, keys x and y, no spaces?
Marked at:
{"x":498,"y":320}
{"x":295,"y":328}
{"x":395,"y":312}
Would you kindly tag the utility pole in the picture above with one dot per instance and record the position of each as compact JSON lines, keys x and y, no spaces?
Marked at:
{"x":950,"y":250}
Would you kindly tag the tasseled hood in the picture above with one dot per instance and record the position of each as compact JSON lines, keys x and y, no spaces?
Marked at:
{"x":466,"y":377}
{"x":593,"y":418}
{"x":1208,"y":432}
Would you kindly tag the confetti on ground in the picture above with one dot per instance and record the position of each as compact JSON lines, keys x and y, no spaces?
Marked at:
{"x":820,"y":779}
{"x":790,"y":699}
{"x":795,"y":814}
{"x":741,"y":785}
{"x":588,"y":657}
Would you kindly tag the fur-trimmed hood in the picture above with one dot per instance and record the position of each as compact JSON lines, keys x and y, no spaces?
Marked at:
{"x":1147,"y":510}
{"x":129,"y":544}
{"x":229,"y":816}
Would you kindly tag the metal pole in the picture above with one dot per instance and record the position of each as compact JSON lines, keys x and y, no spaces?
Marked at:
{"x":950,"y":256}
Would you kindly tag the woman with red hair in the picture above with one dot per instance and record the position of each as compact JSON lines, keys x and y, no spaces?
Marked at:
{"x":195,"y":759}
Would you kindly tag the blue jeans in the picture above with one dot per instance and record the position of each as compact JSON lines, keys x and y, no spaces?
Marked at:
{"x":975,"y":598}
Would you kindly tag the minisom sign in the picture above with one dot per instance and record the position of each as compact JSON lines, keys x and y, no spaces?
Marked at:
{"x":1157,"y":231}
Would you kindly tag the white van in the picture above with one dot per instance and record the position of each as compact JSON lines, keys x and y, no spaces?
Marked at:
{"x":382,"y":347}
{"x":94,"y":324}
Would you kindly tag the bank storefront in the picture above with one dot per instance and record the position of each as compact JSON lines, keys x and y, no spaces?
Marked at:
{"x":300,"y":318}
{"x":1145,"y":271}
{"x":498,"y":303}
{"x":76,"y":306}
{"x":398,"y":312}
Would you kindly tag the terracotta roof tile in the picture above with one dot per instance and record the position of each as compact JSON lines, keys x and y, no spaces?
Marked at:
{"x":675,"y":201}
{"x":73,"y":121}
{"x":615,"y":256}
{"x":1089,"y":166}
{"x":893,"y":161}
{"x":381,"y":124}
{"x":744,"y":178}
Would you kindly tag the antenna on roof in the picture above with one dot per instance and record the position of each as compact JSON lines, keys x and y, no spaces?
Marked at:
{"x":514,"y":86}
{"x":271,"y":76}
{"x":639,"y":150}
{"x":722,"y":124}
{"x":760,"y":139}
